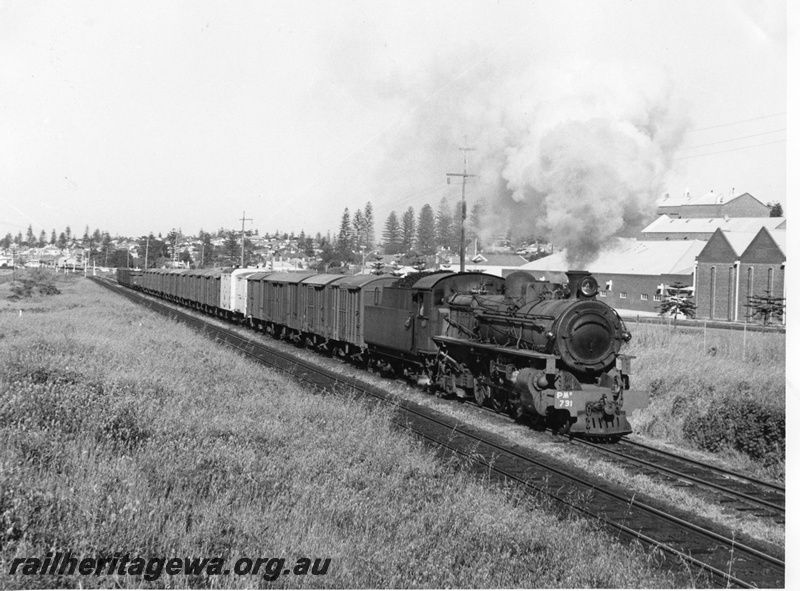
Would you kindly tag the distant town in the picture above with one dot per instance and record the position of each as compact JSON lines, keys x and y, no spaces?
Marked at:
{"x":723,"y":248}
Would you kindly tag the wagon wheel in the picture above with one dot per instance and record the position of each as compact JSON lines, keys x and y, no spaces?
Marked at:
{"x":482,"y":393}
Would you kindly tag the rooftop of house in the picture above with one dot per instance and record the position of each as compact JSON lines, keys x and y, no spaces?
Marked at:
{"x":498,"y":259}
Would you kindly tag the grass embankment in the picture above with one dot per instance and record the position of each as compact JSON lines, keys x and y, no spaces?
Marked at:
{"x":121,"y":432}
{"x":723,"y":392}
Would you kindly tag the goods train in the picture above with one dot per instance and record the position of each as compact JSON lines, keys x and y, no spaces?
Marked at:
{"x":530,"y":348}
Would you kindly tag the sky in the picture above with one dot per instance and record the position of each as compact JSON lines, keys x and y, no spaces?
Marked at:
{"x":138,"y":117}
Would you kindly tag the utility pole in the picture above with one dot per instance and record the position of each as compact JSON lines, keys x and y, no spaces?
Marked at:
{"x":463,"y":176}
{"x":175,"y":250}
{"x":244,"y":219}
{"x":146,"y":252}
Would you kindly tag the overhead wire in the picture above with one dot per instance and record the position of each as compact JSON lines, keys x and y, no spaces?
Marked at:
{"x":730,"y":150}
{"x":737,"y":122}
{"x":743,"y":137}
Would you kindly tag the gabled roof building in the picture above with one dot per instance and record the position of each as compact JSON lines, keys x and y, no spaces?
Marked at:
{"x":712,"y":205}
{"x":734,"y":266}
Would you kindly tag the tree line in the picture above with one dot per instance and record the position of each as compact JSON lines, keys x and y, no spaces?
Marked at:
{"x":62,"y":240}
{"x":426,"y":232}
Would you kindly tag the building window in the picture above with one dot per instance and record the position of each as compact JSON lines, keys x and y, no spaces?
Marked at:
{"x":769,"y":281}
{"x":644,"y":297}
{"x":657,"y":297}
{"x":731,"y":293}
{"x":623,"y":295}
{"x":603,"y":293}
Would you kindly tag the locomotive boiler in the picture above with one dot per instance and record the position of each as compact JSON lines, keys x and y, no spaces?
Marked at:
{"x":547,"y":350}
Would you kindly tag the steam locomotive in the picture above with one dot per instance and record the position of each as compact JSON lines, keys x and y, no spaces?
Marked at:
{"x":530,"y":348}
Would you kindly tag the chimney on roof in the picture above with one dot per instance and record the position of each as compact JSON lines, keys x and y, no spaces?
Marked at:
{"x":733,"y":190}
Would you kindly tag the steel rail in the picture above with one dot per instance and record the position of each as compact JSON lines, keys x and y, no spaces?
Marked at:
{"x":772,"y":485}
{"x":684,"y":476}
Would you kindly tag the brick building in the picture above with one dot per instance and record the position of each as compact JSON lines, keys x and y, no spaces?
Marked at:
{"x":712,"y":205}
{"x":668,"y":228}
{"x":631,"y":273}
{"x":736,"y":265}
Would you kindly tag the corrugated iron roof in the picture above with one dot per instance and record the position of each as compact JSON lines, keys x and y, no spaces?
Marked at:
{"x":739,"y":241}
{"x":632,"y":257}
{"x":703,"y":225}
{"x":710,"y":198}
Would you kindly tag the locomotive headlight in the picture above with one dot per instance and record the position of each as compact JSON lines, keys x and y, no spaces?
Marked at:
{"x":588,"y":287}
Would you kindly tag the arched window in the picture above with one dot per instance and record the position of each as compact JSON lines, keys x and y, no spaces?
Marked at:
{"x":731,"y":291}
{"x":713,"y":293}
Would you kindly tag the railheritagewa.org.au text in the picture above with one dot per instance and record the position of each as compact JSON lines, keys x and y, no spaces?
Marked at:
{"x":152,"y":568}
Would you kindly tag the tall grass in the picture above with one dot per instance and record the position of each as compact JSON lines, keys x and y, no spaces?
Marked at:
{"x":697,"y":377}
{"x":120,"y":432}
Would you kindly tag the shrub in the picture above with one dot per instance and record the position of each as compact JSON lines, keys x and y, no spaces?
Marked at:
{"x":743,"y":424}
{"x":36,"y":281}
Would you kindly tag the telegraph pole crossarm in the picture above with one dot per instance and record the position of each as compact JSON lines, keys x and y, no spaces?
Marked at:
{"x":464,"y":177}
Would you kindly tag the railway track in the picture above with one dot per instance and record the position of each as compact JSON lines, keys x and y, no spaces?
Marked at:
{"x":735,"y":490}
{"x":683,"y":539}
{"x":740,"y":491}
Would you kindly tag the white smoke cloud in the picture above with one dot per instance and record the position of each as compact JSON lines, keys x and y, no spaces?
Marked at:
{"x":575,"y":153}
{"x":592,"y":158}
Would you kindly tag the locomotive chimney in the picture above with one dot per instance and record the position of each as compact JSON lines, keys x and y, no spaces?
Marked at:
{"x":575,"y":278}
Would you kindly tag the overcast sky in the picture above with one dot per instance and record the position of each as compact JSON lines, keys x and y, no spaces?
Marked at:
{"x":142,"y":116}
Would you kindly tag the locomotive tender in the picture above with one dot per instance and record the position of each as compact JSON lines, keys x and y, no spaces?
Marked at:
{"x":531,"y":348}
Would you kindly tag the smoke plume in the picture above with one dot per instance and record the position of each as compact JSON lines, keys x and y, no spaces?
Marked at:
{"x":574,"y":154}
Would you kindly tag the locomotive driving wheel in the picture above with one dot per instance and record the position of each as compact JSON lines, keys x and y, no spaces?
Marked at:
{"x":499,"y":401}
{"x":483,"y":393}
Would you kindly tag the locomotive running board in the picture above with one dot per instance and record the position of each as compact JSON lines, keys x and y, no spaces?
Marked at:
{"x":489,"y":347}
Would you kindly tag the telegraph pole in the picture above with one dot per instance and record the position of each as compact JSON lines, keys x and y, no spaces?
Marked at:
{"x":463,"y":176}
{"x":175,"y":250}
{"x":244,"y":219}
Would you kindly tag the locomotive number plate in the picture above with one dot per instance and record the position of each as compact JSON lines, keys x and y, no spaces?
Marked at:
{"x":563,"y":399}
